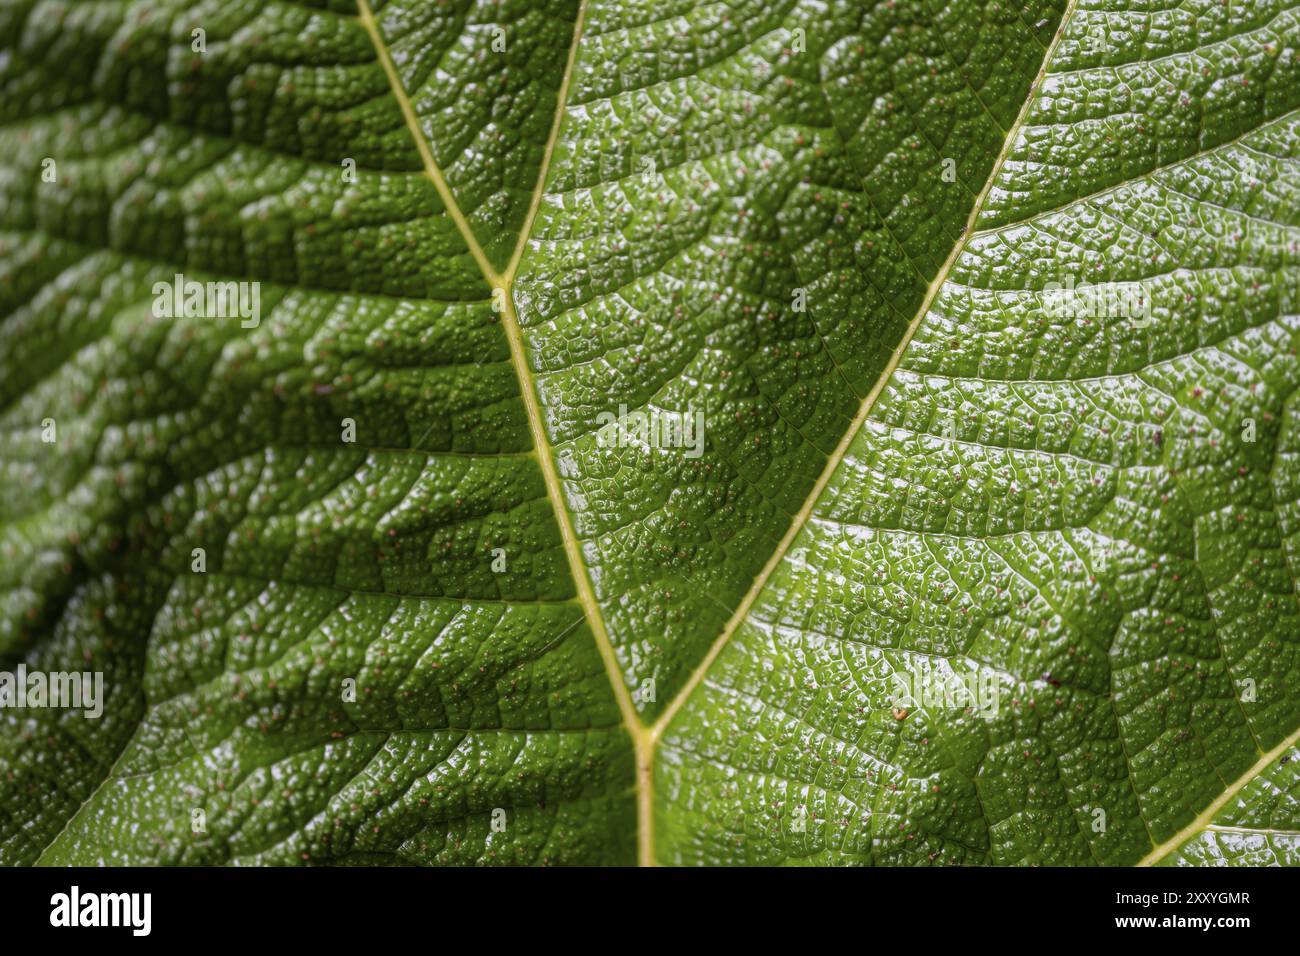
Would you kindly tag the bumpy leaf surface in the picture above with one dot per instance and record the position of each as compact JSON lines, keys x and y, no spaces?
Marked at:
{"x":366,"y":579}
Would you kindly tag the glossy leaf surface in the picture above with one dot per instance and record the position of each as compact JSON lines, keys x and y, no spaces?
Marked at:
{"x":985,"y":315}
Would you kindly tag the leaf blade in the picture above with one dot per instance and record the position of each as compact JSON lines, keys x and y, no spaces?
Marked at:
{"x":328,"y":558}
{"x":982,"y":543}
{"x":749,"y":157}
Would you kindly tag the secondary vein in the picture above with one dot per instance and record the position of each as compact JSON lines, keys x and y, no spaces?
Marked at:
{"x":503,"y":282}
{"x":431,"y":169}
{"x":801,"y":517}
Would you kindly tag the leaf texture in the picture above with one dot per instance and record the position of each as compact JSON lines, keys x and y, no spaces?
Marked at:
{"x":365,"y":578}
{"x":1071,"y":508}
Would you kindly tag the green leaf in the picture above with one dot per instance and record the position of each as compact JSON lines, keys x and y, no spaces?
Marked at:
{"x":1089,"y":518}
{"x":793,"y":153}
{"x":326,"y":561}
{"x":1257,"y":826}
{"x":986,"y":311}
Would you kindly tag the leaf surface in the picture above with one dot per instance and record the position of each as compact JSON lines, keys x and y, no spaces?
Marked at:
{"x":1258,"y":826}
{"x":326,"y":561}
{"x":471,"y":629}
{"x":1092,"y":516}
